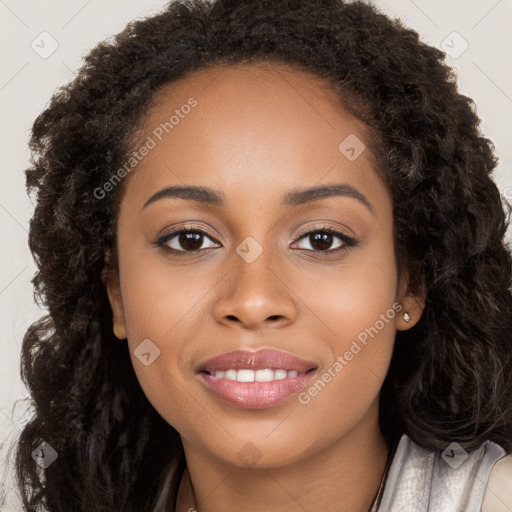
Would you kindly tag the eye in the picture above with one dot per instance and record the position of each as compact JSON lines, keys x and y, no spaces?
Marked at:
{"x":321,"y":240}
{"x":191,"y":239}
{"x":184,"y":240}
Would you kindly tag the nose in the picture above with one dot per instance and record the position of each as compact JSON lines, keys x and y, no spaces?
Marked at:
{"x":256,"y":294}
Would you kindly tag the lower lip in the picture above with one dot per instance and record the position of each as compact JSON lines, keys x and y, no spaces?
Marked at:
{"x":255,"y":395}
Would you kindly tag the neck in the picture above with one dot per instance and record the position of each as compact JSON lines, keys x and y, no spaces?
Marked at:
{"x":347,"y":474}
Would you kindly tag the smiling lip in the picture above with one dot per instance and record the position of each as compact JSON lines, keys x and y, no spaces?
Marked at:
{"x":256,"y":395}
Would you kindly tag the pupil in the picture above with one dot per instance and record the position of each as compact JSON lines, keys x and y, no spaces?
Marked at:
{"x":189,"y":241}
{"x":322,"y":240}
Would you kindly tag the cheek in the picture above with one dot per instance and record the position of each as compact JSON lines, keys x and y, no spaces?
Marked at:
{"x":164,"y":305}
{"x":355,"y":309}
{"x":161,"y":301}
{"x":348,"y":299}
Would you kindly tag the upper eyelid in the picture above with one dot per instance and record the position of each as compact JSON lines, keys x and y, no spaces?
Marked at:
{"x":324,"y":227}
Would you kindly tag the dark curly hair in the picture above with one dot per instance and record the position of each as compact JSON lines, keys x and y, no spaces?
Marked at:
{"x":450,"y":377}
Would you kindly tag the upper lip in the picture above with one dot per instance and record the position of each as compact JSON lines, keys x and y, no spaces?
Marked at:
{"x":245,"y":359}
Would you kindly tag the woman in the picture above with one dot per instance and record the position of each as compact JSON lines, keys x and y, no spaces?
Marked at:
{"x":341,"y":342}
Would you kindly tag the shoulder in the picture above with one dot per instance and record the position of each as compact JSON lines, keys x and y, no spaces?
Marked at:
{"x":498,"y":494}
{"x":432,"y":480}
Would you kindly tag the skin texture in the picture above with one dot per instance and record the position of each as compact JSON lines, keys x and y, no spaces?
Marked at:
{"x":256,"y":133}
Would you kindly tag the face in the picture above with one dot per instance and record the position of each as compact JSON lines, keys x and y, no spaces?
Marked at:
{"x":258,"y":264}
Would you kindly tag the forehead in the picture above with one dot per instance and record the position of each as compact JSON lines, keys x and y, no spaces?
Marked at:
{"x":261,"y":127}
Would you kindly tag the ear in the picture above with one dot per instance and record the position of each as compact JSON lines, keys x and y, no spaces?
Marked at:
{"x":110,"y":278}
{"x":412,"y":299}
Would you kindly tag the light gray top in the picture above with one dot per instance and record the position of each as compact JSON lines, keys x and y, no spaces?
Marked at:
{"x":422,"y":480}
{"x":416,"y":480}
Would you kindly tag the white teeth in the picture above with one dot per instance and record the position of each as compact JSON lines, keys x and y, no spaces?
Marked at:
{"x":280,"y":374}
{"x":245,"y":376}
{"x":230,"y":375}
{"x":264,"y":375}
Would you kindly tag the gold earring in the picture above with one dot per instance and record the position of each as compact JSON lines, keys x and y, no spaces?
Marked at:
{"x":407,"y":317}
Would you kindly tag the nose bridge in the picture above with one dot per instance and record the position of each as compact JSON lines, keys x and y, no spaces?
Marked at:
{"x":253,"y":264}
{"x":255,"y":293}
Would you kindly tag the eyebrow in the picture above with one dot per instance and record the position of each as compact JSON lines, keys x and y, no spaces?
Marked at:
{"x":295,"y":197}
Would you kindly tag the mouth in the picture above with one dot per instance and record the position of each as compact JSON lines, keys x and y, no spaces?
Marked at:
{"x":256,"y":380}
{"x":263,"y":375}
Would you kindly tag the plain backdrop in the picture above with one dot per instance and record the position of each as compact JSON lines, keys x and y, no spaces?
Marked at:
{"x":42,"y":45}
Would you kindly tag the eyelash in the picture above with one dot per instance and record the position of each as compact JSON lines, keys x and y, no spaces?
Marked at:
{"x":348,"y":241}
